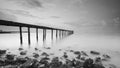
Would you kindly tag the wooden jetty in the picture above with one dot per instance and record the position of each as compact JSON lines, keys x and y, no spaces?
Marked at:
{"x":59,"y":32}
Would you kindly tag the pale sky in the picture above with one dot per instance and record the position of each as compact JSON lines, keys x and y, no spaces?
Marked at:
{"x":63,"y":13}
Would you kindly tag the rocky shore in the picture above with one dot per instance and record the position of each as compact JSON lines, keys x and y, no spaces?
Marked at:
{"x":68,"y":58}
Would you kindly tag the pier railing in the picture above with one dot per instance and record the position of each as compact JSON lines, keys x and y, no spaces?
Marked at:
{"x":59,"y":32}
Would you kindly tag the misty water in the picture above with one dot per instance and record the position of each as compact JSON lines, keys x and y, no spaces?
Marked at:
{"x":108,"y":43}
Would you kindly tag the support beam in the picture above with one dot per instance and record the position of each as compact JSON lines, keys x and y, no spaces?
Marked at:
{"x":59,"y":34}
{"x":37,"y":34}
{"x":44,"y":35}
{"x":21,"y":40}
{"x":62,"y":33}
{"x":56,"y":34}
{"x":29,"y":36}
{"x":51,"y":34}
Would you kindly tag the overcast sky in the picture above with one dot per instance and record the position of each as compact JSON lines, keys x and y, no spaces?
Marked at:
{"x":77,"y":13}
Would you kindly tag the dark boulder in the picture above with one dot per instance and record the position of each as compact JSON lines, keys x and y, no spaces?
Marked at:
{"x":82,"y":58}
{"x":95,"y":52}
{"x":21,"y":60}
{"x":79,"y":56}
{"x":10,"y":57}
{"x":36,"y":49}
{"x":77,"y":52}
{"x":2,"y":52}
{"x":65,"y":55}
{"x":23,"y":52}
{"x":106,"y":56}
{"x":44,"y":54}
{"x":20,"y":49}
{"x":88,"y":63}
{"x":98,"y":66}
{"x":84,"y":53}
{"x":35,"y":55}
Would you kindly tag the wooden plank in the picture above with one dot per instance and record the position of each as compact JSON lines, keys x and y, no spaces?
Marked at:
{"x":37,"y":34}
{"x":21,"y":39}
{"x":11,"y":23}
{"x":56,"y":34}
{"x":51,"y":34}
{"x":29,"y":36}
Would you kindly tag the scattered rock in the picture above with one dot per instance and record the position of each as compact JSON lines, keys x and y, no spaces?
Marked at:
{"x":77,"y":52}
{"x":35,"y":55}
{"x":84,"y":53}
{"x":60,"y":49}
{"x":95,"y":52}
{"x":2,"y":52}
{"x":20,"y":49}
{"x":82,"y":58}
{"x":23,"y":53}
{"x":71,"y":50}
{"x":44,"y":54}
{"x":65,"y":55}
{"x":48,"y":48}
{"x":79,"y":56}
{"x":106,"y":56}
{"x":36,"y":49}
{"x":21,"y":60}
{"x":88,"y":63}
{"x":112,"y":66}
{"x":98,"y":66}
{"x":10,"y":57}
{"x":51,"y":53}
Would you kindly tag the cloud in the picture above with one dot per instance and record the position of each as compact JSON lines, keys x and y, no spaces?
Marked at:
{"x":20,"y":12}
{"x":6,"y":16}
{"x":54,"y":17}
{"x":29,"y":3}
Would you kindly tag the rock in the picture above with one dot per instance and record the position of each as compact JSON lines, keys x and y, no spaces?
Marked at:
{"x":77,"y":52}
{"x":84,"y":53}
{"x":10,"y":57}
{"x":112,"y":66}
{"x":98,"y":62}
{"x":23,"y":53}
{"x":44,"y":54}
{"x":36,"y":49}
{"x":35,"y":55}
{"x":2,"y":62}
{"x":79,"y":64}
{"x":48,"y":48}
{"x":27,"y":64}
{"x":71,"y":50}
{"x":98,"y":66}
{"x":21,"y":60}
{"x":20,"y":49}
{"x":2,"y":52}
{"x":106,"y":56}
{"x":55,"y":63}
{"x":82,"y":58}
{"x":51,"y":53}
{"x":65,"y":55}
{"x":60,"y":49}
{"x":10,"y":62}
{"x":79,"y":56}
{"x":95,"y":52}
{"x":88,"y":63}
{"x":46,"y":58}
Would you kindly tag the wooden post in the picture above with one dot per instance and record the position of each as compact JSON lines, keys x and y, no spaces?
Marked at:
{"x":56,"y":34}
{"x":21,"y":40}
{"x":29,"y":36}
{"x":62,"y":33}
{"x":37,"y":34}
{"x":43,"y":35}
{"x":52,"y":34}
{"x":59,"y":34}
